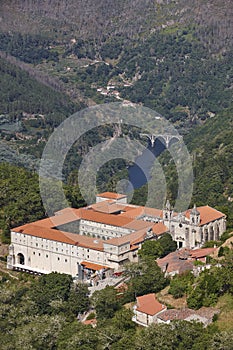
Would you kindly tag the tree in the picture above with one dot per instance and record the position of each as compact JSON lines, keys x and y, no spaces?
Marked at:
{"x":180,"y":284}
{"x":221,"y":341}
{"x":78,"y":300}
{"x":41,"y":333}
{"x":151,"y":249}
{"x":146,"y":277}
{"x":54,"y":287}
{"x":122,"y":320}
{"x":167,"y":244}
{"x":106,"y":302}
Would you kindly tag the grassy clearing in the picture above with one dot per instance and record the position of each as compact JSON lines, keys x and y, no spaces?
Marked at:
{"x":168,"y":299}
{"x":225,"y":319}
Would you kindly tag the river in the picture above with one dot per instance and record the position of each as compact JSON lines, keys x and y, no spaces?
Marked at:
{"x":139,"y":172}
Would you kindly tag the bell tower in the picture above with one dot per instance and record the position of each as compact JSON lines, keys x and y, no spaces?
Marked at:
{"x":195,"y":216}
{"x":167,"y":211}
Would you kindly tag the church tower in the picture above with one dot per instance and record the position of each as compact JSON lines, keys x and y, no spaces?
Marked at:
{"x":195,"y":216}
{"x":167,"y":211}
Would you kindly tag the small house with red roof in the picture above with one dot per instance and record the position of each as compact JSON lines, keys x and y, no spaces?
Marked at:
{"x":147,"y":309}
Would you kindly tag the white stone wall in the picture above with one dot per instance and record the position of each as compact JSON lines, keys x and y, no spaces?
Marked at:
{"x":102,"y":231}
{"x":45,"y":255}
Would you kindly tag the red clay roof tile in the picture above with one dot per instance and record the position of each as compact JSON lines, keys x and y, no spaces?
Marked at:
{"x":149,"y":305}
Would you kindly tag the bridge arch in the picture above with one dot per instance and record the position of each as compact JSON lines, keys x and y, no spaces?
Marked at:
{"x":166,"y":139}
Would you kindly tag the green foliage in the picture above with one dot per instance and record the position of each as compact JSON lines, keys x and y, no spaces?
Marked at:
{"x":152,"y":249}
{"x":54,"y":287}
{"x":210,"y":284}
{"x":22,"y":326}
{"x":211,"y":244}
{"x":20,"y":200}
{"x":180,"y":335}
{"x":158,"y":249}
{"x":122,"y":320}
{"x":91,"y":316}
{"x":28,"y":48}
{"x":145,"y":277}
{"x":78,"y":300}
{"x":173,"y":72}
{"x":181,"y":284}
{"x":221,"y":341}
{"x":225,"y":236}
{"x":167,"y":244}
{"x":105,"y":302}
{"x":221,"y":251}
{"x":19,"y":92}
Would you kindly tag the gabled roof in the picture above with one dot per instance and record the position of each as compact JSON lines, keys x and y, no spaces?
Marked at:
{"x":60,"y":236}
{"x":159,"y":229}
{"x":149,"y":305}
{"x":108,"y":219}
{"x":174,"y":262}
{"x":140,"y":211}
{"x":202,"y":252}
{"x":207,"y":214}
{"x":111,"y":195}
{"x":188,"y":314}
{"x":132,"y":238}
{"x":47,"y":233}
{"x":92,"y":266}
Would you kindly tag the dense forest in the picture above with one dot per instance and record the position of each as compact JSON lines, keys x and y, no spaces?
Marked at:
{"x":53,"y":63}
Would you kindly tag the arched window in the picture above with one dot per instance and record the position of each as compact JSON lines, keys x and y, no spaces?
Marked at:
{"x":20,"y":259}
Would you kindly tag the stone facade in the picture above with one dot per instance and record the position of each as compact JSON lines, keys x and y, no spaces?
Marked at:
{"x":194,"y":227}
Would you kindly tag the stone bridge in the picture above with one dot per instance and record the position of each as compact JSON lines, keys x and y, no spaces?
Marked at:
{"x":165,"y":138}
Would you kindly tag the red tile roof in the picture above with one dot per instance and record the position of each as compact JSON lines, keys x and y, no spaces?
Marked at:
{"x":92,"y":266}
{"x":132,"y":238}
{"x":111,"y":195}
{"x":92,"y":322}
{"x":138,"y":211}
{"x":183,"y":314}
{"x":47,"y":233}
{"x":60,"y":236}
{"x":138,"y":225}
{"x":159,"y":229}
{"x":174,"y":262}
{"x":106,"y":207}
{"x":108,"y":219}
{"x":202,"y":253}
{"x":62,"y":217}
{"x":176,"y":314}
{"x":149,"y":305}
{"x":207,"y":214}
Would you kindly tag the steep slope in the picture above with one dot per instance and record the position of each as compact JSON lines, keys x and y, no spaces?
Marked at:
{"x":130,"y":18}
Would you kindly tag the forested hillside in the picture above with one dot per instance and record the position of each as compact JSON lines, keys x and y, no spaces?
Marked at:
{"x":172,"y":56}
